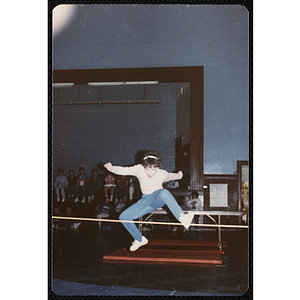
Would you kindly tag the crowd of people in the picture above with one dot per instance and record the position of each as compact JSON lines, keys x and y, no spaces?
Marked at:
{"x":97,"y":195}
{"x":83,"y":188}
{"x":104,"y":196}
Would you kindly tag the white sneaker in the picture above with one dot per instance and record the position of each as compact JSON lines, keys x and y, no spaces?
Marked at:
{"x":63,"y":200}
{"x":58,"y":199}
{"x":83,"y":200}
{"x":136,"y":244}
{"x":76,"y":200}
{"x":186,"y":219}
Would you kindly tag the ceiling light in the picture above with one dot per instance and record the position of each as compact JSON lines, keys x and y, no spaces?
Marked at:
{"x":104,"y":83}
{"x":121,"y":83}
{"x":140,"y":82}
{"x":63,"y":84}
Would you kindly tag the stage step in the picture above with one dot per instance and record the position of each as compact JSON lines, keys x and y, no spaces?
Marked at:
{"x":186,"y":243}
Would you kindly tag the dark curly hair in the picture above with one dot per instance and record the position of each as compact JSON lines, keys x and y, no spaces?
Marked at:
{"x":152,"y":158}
{"x":194,"y":193}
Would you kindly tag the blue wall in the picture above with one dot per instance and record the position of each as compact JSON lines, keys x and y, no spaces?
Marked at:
{"x":215,"y":36}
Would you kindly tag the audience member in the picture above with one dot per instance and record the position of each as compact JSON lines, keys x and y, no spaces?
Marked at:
{"x":109,"y":185}
{"x":94,"y":185}
{"x":81,"y":185}
{"x":182,"y":203}
{"x":70,"y":223}
{"x":60,"y":185}
{"x":72,"y":184}
{"x":105,"y":210}
{"x":120,"y":205}
{"x":122,"y":187}
{"x":195,"y":204}
{"x":56,"y":222}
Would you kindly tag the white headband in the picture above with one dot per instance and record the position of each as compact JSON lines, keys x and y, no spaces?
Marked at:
{"x":150,"y":156}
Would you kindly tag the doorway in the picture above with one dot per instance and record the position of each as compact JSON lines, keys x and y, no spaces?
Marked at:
{"x":193,"y":75}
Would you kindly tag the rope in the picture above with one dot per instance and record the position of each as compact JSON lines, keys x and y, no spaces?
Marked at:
{"x":147,"y":222}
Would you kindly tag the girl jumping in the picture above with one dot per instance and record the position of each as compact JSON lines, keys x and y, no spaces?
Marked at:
{"x":154,"y":196}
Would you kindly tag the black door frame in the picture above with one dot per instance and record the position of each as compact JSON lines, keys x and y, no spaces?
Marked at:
{"x":194,"y":75}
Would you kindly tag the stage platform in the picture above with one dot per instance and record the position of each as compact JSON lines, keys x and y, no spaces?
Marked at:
{"x":172,"y":251}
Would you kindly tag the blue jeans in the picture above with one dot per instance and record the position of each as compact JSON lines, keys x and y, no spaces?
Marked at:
{"x":146,"y":205}
{"x":83,"y":191}
{"x":62,"y":192}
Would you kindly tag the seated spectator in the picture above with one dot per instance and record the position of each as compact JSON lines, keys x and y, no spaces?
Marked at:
{"x":109,"y":185}
{"x":173,"y":184}
{"x":196,"y":204}
{"x":123,"y":187}
{"x":72,"y":184}
{"x":94,"y":185}
{"x":56,"y":222}
{"x":81,"y":185}
{"x":70,"y":223}
{"x":105,"y":210}
{"x":120,"y":205}
{"x":182,"y":203}
{"x":60,"y":185}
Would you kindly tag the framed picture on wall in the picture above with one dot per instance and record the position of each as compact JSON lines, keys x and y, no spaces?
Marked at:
{"x":218,"y":195}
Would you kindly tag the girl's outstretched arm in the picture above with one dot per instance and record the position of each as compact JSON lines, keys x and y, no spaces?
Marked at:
{"x":108,"y":165}
{"x":122,"y":170}
{"x":174,"y":176}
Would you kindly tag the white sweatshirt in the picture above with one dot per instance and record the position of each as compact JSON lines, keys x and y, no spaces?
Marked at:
{"x":148,"y":185}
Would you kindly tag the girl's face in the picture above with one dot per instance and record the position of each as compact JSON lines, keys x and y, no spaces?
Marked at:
{"x":151,"y":171}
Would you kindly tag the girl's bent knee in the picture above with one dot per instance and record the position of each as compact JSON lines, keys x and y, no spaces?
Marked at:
{"x":122,"y":217}
{"x":164,"y":193}
{"x":125,"y":216}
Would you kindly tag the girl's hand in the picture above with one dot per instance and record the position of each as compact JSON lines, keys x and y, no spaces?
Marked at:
{"x":180,"y":174}
{"x":107,"y":165}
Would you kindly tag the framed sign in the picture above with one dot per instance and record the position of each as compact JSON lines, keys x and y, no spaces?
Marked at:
{"x":218,"y":194}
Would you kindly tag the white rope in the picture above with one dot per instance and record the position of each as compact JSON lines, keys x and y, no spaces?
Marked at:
{"x":147,"y":222}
